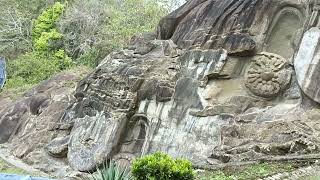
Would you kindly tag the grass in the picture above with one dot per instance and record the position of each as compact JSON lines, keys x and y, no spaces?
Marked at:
{"x":310,"y":178}
{"x":246,"y":173}
{"x":9,"y":169}
{"x":18,"y":90}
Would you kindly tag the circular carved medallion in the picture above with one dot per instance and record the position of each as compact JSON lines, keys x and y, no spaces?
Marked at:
{"x":268,"y":75}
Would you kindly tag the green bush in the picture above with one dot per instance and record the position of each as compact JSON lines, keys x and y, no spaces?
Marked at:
{"x":90,"y":58}
{"x":46,"y":22}
{"x":31,"y":68}
{"x":43,"y":43}
{"x":112,"y":172}
{"x":160,"y":166}
{"x":46,"y":38}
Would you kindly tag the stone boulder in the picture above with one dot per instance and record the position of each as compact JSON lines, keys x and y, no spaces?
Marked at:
{"x":307,"y":64}
{"x":28,"y":124}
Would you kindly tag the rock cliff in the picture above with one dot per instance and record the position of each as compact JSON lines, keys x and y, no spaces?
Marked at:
{"x":220,"y":81}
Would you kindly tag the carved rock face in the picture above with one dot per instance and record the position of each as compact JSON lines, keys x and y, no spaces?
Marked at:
{"x":268,"y":75}
{"x":239,"y":26}
{"x":170,"y":86}
{"x":191,"y":89}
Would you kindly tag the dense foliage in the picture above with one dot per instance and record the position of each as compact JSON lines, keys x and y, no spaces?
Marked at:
{"x":160,"y":166}
{"x":40,"y":38}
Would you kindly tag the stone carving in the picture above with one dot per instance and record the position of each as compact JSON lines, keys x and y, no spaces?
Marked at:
{"x":290,"y":135}
{"x":180,"y":93}
{"x":268,"y":75}
{"x":124,"y":160}
{"x":136,"y":136}
{"x":307,"y":64}
{"x":284,"y":31}
{"x":134,"y":144}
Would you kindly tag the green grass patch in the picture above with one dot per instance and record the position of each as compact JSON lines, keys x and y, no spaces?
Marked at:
{"x":246,"y":173}
{"x":9,"y":169}
{"x":310,"y":178}
{"x":17,"y":86}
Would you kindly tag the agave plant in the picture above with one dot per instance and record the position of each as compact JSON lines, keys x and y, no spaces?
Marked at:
{"x":111,"y":172}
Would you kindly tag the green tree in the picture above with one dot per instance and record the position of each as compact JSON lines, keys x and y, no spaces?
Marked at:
{"x":44,"y":30}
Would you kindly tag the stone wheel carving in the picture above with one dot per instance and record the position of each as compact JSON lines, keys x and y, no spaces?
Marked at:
{"x":268,"y":75}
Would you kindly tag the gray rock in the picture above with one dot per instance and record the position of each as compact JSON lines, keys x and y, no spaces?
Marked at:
{"x":58,"y":147}
{"x":307,"y":64}
{"x":32,"y":121}
{"x":92,"y":141}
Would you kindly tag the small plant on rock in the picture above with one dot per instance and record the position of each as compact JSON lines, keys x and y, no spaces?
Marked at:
{"x":111,"y":172}
{"x":160,"y":166}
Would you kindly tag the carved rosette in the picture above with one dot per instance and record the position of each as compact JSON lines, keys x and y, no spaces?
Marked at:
{"x":268,"y":75}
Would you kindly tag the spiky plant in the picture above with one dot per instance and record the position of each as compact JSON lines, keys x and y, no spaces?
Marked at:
{"x":111,"y":172}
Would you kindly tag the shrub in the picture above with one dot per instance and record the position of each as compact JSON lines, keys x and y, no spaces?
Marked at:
{"x":112,"y":172}
{"x":94,"y":28}
{"x":31,"y":68}
{"x":43,"y":42}
{"x":82,"y":26}
{"x":90,"y":58}
{"x":47,"y":20}
{"x":132,"y":17}
{"x":160,"y":166}
{"x":46,"y":38}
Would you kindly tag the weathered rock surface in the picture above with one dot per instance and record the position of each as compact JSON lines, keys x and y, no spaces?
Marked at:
{"x":29,"y":123}
{"x":307,"y":64}
{"x":215,"y":84}
{"x":241,"y":27}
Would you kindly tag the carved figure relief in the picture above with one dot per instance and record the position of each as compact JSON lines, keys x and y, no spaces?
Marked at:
{"x":135,"y":141}
{"x":284,"y":30}
{"x":136,"y":137}
{"x":268,"y":75}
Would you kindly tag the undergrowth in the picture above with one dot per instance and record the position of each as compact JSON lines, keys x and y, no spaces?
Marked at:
{"x":8,"y":169}
{"x":255,"y":171}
